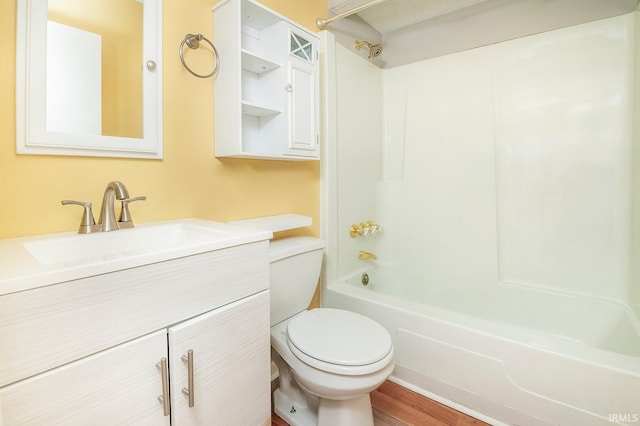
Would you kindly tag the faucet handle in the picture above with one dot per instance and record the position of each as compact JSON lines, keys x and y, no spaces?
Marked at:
{"x":87,"y":223}
{"x":125,"y":216}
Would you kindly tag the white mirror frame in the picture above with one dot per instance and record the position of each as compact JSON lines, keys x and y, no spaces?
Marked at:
{"x":31,"y":133}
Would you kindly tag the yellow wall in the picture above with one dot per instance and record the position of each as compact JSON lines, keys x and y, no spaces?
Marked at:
{"x":188,"y":182}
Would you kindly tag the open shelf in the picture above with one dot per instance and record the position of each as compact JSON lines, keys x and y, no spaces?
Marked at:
{"x":257,"y":64}
{"x":255,"y":110}
{"x":277,"y":223}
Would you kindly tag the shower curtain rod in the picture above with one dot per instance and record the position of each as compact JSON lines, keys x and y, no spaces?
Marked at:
{"x":322,"y":23}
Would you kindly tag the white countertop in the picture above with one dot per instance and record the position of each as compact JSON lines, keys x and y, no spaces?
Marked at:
{"x":35,"y":261}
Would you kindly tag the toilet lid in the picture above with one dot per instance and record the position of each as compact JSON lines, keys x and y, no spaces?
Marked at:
{"x":339,"y":337}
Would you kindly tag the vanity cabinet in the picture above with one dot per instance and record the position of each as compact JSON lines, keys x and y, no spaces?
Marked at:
{"x":90,"y":351}
{"x":266,"y":93}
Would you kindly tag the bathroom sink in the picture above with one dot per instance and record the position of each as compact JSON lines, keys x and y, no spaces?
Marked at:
{"x":49,"y":259}
{"x":108,"y":245}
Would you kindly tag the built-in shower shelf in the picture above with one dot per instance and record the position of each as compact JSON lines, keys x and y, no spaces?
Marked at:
{"x":257,"y":64}
{"x":250,"y":108}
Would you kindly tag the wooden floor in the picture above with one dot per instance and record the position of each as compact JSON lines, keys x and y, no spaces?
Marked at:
{"x":394,"y":405}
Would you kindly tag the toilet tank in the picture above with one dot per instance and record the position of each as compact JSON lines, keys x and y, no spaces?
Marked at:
{"x":294,"y":270}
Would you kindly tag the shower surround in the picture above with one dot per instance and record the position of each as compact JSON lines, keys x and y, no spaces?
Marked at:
{"x":507,"y":179}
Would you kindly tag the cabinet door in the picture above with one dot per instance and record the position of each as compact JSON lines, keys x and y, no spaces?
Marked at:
{"x":117,"y":386}
{"x":231,"y":365}
{"x":303,"y":95}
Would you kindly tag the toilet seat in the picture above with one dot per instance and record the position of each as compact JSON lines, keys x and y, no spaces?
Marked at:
{"x":339,"y":341}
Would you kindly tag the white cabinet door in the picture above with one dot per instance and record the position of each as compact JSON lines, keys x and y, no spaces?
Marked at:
{"x":231,"y":365}
{"x":303,"y":95}
{"x":118,"y":386}
{"x":302,"y":119}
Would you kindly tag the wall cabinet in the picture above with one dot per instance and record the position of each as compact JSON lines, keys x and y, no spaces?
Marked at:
{"x":266,"y":93}
{"x":214,"y":306}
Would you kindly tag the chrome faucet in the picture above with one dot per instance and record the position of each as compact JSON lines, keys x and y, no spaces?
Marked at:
{"x":115,"y":190}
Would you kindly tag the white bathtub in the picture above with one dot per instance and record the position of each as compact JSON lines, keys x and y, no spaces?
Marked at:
{"x":514,"y":355}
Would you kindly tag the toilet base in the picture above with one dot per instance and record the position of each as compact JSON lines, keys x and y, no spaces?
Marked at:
{"x":294,"y":412}
{"x":346,"y":412}
{"x":331,"y":412}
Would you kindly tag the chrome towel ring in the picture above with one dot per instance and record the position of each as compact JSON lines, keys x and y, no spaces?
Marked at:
{"x":193,"y":41}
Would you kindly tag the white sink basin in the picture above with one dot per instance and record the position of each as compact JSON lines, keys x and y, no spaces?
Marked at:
{"x":110,"y":245}
{"x":49,"y":259}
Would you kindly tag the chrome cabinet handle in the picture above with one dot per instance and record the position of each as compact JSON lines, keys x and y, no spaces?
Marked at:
{"x":188,"y":358}
{"x":164,"y":398}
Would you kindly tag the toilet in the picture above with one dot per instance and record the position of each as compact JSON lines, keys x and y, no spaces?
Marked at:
{"x":329,"y":360}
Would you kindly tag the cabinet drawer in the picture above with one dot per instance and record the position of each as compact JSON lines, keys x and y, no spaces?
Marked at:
{"x":50,"y":326}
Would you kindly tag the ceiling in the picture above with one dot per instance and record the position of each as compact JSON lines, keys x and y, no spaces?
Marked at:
{"x":391,"y":15}
{"x":447,"y":26}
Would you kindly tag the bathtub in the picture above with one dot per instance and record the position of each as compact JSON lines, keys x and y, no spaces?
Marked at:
{"x":508,"y":355}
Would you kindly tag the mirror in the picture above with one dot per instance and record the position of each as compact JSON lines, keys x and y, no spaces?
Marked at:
{"x":88,"y":78}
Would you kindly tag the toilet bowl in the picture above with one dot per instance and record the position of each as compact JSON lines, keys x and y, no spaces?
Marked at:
{"x":329,"y":360}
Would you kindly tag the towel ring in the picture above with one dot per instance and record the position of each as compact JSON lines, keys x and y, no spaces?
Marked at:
{"x":193,"y":41}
